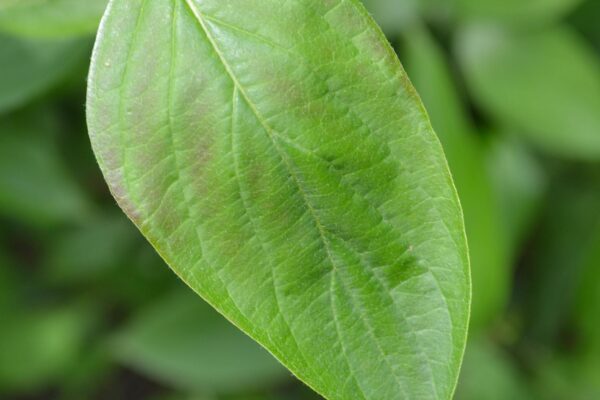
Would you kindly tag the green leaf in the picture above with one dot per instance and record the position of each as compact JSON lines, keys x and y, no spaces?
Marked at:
{"x":519,"y":183}
{"x":30,"y":67}
{"x":182,"y":397}
{"x":489,"y":373}
{"x":69,"y":259}
{"x":523,"y":12}
{"x":9,"y":283}
{"x":546,"y":84}
{"x":466,"y":154}
{"x":587,"y":297}
{"x":559,"y":254}
{"x":398,"y":16}
{"x":568,"y":377}
{"x":430,"y":72}
{"x":183,"y":342}
{"x":585,"y":19}
{"x":51,"y":18}
{"x":439,"y":12}
{"x":39,"y":347}
{"x":35,"y":185}
{"x":393,"y":16}
{"x":277,"y":157}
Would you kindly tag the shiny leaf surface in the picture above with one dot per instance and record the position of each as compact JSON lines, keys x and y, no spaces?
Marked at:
{"x":277,"y":157}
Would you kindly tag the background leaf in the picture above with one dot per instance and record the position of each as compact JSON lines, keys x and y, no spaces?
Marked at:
{"x":587,"y":298}
{"x":567,"y":237}
{"x":36,"y":347}
{"x":545,"y":84}
{"x":393,"y":16}
{"x":526,"y":13}
{"x":490,"y":374}
{"x":585,"y":19}
{"x":51,"y":18}
{"x":181,"y":340}
{"x":70,"y":258}
{"x":35,"y":185}
{"x":31,"y":67}
{"x":520,"y":182}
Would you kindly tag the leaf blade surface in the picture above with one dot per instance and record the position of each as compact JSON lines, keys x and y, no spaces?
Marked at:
{"x":277,"y":157}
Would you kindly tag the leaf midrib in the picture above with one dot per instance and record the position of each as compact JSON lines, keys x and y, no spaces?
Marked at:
{"x":282,"y":154}
{"x":198,"y":16}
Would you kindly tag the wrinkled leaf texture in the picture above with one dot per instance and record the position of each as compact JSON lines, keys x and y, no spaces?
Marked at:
{"x":432,"y":76}
{"x":278,"y":158}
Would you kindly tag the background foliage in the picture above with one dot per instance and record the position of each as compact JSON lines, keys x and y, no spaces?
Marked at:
{"x":87,"y":310}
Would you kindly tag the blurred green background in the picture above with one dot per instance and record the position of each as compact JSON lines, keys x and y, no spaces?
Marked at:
{"x":89,"y":311}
